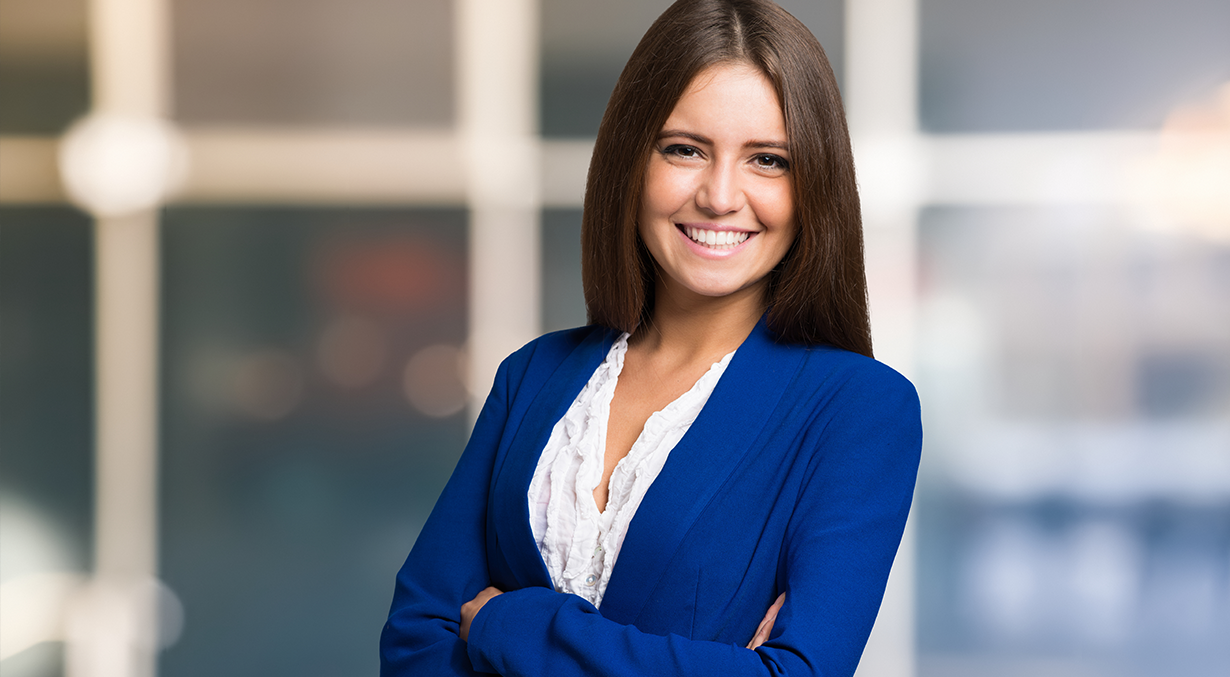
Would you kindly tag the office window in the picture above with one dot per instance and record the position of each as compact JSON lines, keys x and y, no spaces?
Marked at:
{"x":313,"y":409}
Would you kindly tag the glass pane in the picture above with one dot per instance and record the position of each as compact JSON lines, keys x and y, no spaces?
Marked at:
{"x":563,"y":299}
{"x":46,"y":404}
{"x":1074,"y":512}
{"x":379,"y":62}
{"x":44,"y":74}
{"x":1004,"y":65}
{"x":313,"y":411}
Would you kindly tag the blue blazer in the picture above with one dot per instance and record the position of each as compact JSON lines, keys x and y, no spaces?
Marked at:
{"x":796,"y":477}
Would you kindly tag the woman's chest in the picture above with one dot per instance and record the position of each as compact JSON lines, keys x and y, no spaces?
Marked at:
{"x":724,"y":570}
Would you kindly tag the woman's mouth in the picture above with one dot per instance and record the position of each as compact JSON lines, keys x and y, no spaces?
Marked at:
{"x":715,"y":239}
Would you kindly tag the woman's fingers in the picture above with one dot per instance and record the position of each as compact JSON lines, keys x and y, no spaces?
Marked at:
{"x":781,"y":599}
{"x":471,"y":608}
{"x":766,"y":625}
{"x":762,"y":633}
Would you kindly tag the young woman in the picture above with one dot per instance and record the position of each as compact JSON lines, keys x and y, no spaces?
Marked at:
{"x":713,"y":476}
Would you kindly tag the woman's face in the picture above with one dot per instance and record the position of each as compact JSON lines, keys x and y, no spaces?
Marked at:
{"x":717,"y":212}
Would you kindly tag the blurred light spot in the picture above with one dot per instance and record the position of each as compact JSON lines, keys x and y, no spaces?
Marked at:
{"x":170,"y":614}
{"x":434,"y":381}
{"x":115,"y":165}
{"x":30,"y":541}
{"x":110,"y":623}
{"x":352,"y":351}
{"x":32,"y":610}
{"x":267,"y":385}
{"x":391,"y":275}
{"x":34,"y":584}
{"x":1190,"y":176}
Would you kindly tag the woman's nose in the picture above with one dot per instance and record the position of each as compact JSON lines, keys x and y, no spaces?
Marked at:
{"x":720,"y":191}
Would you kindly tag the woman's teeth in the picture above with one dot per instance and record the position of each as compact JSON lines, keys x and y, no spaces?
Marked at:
{"x":716,"y":239}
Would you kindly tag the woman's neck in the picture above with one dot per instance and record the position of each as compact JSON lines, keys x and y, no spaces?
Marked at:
{"x":690,"y":326}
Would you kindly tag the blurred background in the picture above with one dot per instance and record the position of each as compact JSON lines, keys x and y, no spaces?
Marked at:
{"x":259,"y":259}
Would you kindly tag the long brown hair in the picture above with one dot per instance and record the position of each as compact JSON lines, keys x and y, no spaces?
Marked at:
{"x":818,"y":294}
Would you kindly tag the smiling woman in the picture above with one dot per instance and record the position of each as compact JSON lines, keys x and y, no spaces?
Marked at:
{"x":818,"y":292}
{"x":717,"y":213}
{"x":713,"y":476}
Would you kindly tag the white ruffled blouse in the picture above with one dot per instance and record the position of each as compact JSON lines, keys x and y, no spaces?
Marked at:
{"x":578,"y":543}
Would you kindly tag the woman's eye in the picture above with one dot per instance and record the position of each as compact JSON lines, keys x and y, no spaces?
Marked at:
{"x":681,"y":150}
{"x":770,"y":161}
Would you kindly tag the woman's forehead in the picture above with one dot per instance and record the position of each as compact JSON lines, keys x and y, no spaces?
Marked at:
{"x":733,"y":98}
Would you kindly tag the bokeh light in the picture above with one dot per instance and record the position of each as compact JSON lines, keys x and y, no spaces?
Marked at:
{"x":115,"y":165}
{"x":435,"y":381}
{"x":1190,"y":176}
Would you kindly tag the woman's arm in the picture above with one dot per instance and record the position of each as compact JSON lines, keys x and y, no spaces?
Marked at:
{"x":448,"y":564}
{"x":840,"y":543}
{"x":471,"y":608}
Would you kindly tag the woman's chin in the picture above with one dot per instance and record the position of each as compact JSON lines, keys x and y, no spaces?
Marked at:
{"x":704,"y":291}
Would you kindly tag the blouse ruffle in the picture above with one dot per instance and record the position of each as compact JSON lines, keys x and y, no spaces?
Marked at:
{"x":579,"y":544}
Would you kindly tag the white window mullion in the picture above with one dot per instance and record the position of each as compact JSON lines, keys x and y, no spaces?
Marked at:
{"x":881,"y":83}
{"x":112,"y":628}
{"x":497,"y":42}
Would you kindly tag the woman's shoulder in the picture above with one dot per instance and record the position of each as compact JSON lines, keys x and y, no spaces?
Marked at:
{"x":843,"y":395}
{"x":819,"y":369}
{"x":826,"y":369}
{"x":550,"y":350}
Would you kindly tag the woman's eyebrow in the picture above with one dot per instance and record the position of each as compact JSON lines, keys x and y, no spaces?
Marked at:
{"x":698,"y":138}
{"x":780,"y":145}
{"x":667,"y":133}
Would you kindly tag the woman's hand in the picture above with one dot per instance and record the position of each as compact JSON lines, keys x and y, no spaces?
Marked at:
{"x":470,"y":609}
{"x":762,"y":632}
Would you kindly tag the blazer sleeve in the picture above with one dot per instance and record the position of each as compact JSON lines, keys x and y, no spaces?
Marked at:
{"x":840,"y":543}
{"x":448,"y":564}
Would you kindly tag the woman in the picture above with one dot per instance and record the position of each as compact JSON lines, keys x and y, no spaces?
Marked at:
{"x":713,"y":476}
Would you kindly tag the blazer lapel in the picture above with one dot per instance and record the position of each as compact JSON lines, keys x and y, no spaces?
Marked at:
{"x":717,"y":441}
{"x":508,"y":517}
